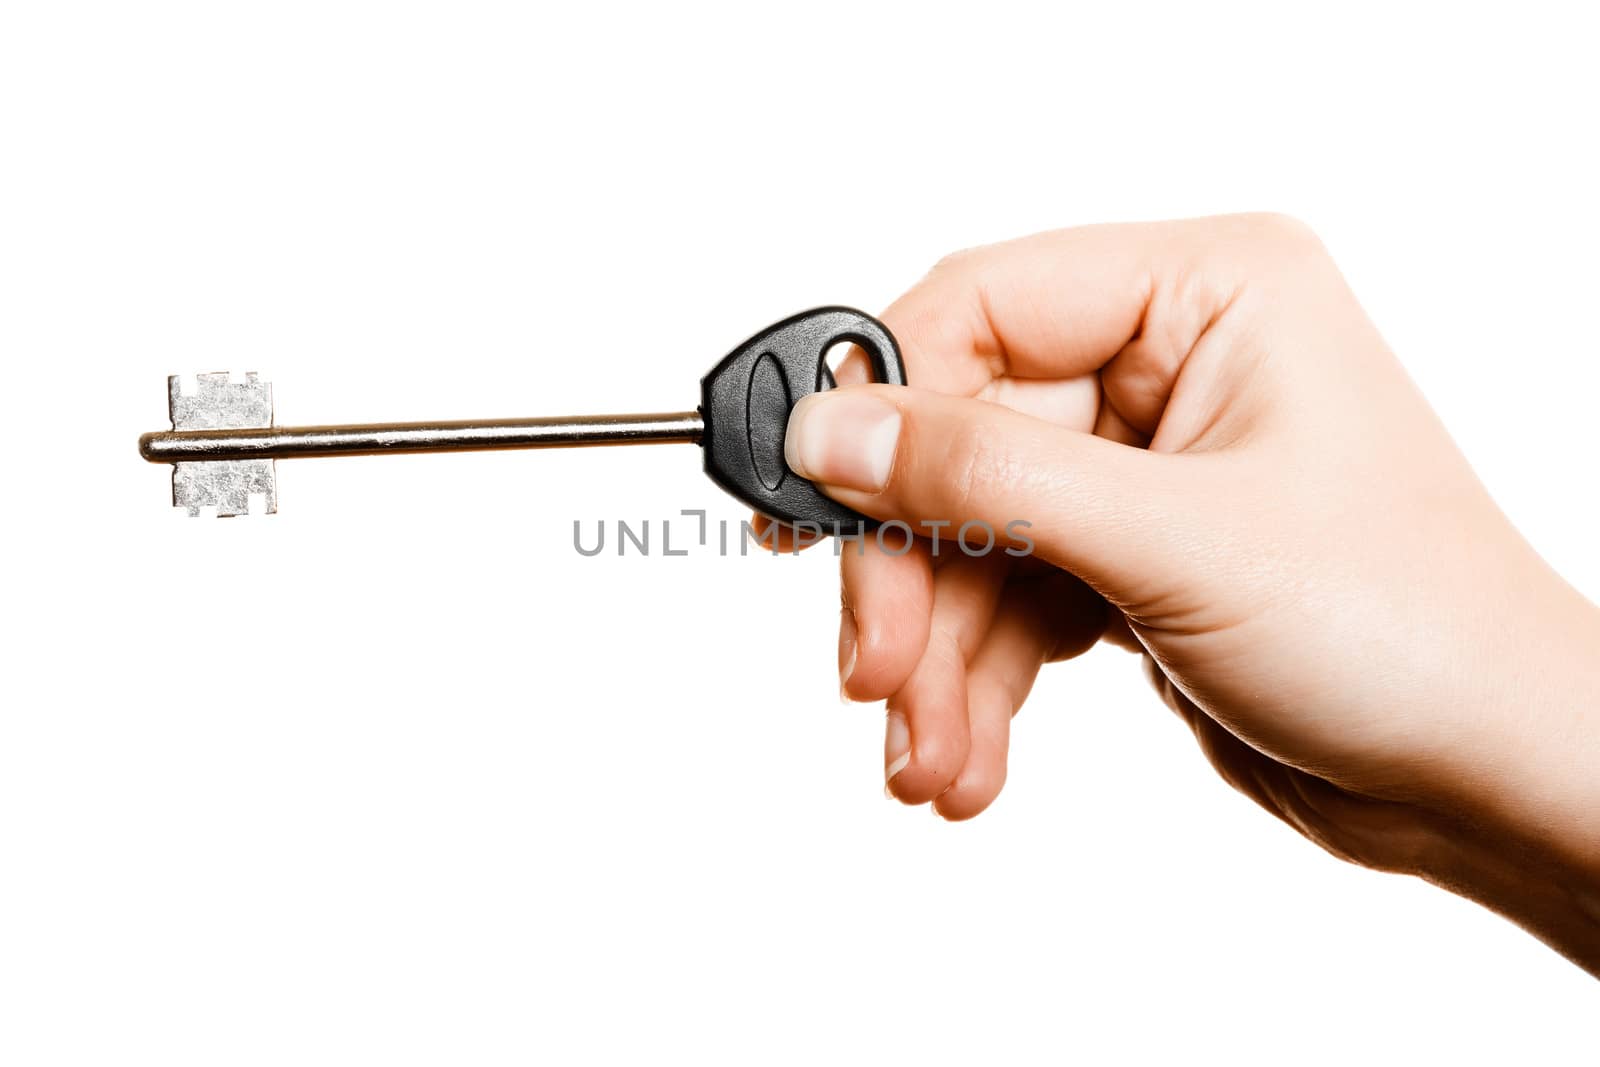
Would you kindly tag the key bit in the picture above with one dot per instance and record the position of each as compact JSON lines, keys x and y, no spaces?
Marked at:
{"x":223,"y":444}
{"x":219,"y":403}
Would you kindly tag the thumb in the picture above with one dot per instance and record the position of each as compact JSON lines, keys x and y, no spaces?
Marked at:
{"x":1109,"y":513}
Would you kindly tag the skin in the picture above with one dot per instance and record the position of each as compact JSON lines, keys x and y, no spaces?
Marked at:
{"x":1227,"y":472}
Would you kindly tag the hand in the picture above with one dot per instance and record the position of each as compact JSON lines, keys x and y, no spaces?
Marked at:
{"x":1224,"y":468}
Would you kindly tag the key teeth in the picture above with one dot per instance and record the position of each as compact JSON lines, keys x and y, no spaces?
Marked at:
{"x":226,"y":485}
{"x":220,"y":403}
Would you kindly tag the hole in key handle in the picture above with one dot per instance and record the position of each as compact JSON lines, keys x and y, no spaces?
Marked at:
{"x":745,"y":402}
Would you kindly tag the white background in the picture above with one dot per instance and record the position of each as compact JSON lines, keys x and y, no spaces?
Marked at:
{"x":396,"y":776}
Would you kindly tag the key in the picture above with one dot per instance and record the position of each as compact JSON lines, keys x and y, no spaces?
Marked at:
{"x":223,"y":445}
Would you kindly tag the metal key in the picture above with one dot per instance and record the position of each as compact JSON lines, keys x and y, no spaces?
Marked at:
{"x":223,"y":444}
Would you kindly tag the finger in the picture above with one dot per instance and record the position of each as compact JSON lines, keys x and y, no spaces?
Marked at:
{"x":926,"y":736}
{"x":883,"y":625}
{"x":854,"y":369}
{"x":1120,"y":634}
{"x":1049,"y":306}
{"x":886,"y":584}
{"x":1073,"y":402}
{"x":1115,"y":515}
{"x":1068,"y":302}
{"x":1037,"y":621}
{"x":773,"y":536}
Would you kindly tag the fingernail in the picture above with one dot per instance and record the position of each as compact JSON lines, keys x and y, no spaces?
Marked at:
{"x":847,"y":649}
{"x":843,"y":438}
{"x":896,"y":746}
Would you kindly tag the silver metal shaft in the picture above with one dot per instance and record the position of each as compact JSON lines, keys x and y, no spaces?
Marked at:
{"x":384,"y":438}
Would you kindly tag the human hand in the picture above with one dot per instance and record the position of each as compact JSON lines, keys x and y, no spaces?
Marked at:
{"x":1223,"y":468}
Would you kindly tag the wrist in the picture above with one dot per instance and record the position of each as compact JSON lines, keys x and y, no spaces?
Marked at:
{"x":1523,"y":881}
{"x":1520,"y":833}
{"x":1546,"y":785}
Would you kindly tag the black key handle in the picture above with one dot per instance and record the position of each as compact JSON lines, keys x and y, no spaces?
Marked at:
{"x":747,"y":397}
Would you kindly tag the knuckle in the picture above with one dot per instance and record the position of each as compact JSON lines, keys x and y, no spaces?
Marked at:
{"x":956,"y":262}
{"x":1283,"y":228}
{"x":965,"y":268}
{"x":1268,"y":252}
{"x":1286,"y":239}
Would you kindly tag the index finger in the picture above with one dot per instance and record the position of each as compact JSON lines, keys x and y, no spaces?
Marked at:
{"x":1066,"y":303}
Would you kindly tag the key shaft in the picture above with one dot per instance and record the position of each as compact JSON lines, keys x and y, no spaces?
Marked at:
{"x":387,"y":438}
